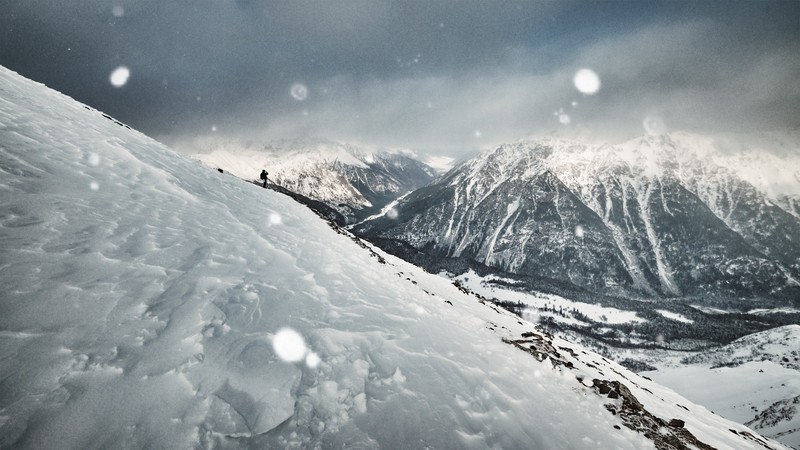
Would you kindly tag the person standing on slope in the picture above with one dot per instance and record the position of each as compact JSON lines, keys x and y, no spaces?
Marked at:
{"x":264,"y":174}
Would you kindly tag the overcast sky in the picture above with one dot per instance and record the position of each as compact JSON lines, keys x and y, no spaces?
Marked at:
{"x":423,"y":74}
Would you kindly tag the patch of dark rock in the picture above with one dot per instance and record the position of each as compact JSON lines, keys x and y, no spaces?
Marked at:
{"x":665,"y":435}
{"x":677,"y":423}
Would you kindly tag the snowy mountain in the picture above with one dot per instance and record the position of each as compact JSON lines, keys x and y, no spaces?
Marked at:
{"x":355,"y":181}
{"x":657,"y":216}
{"x":149,"y":303}
{"x":754,"y":380}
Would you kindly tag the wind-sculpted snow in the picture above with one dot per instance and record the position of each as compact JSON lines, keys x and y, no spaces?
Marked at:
{"x":659,"y":215}
{"x":146,"y":300}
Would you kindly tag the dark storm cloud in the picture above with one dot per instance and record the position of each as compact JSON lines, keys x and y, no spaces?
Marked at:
{"x":429,"y":74}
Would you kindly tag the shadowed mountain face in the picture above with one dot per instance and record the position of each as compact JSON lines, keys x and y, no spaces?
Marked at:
{"x":383,"y":178}
{"x":658,"y":216}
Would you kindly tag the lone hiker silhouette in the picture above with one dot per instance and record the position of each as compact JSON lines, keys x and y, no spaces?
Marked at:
{"x":264,"y":174}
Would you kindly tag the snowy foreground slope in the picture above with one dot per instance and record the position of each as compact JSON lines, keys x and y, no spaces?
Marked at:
{"x":144,"y":302}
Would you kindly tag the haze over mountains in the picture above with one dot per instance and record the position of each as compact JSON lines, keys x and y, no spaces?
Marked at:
{"x":145,"y":302}
{"x":703,"y":228}
{"x":671,"y":215}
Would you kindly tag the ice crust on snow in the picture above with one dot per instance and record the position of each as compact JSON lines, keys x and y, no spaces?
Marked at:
{"x":143,"y":314}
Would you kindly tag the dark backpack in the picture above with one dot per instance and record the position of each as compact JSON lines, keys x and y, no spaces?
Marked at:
{"x":263,"y":174}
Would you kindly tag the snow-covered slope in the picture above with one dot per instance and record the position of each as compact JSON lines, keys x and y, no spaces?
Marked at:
{"x":147,"y":302}
{"x":754,"y":380}
{"x":354,"y":180}
{"x":659,"y":215}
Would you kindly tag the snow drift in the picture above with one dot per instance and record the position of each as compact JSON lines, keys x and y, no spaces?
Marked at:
{"x":145,"y":302}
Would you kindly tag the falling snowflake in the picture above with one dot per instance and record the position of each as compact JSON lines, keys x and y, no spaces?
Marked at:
{"x":119,"y":77}
{"x":289,"y":345}
{"x":299,"y":91}
{"x":275,"y":219}
{"x":94,"y":186}
{"x":392,"y":214}
{"x":312,"y":360}
{"x":478,"y":133}
{"x":564,"y":119}
{"x":586,"y":81}
{"x":654,"y":126}
{"x":118,"y":11}
{"x":94,"y":159}
{"x":579,"y":232}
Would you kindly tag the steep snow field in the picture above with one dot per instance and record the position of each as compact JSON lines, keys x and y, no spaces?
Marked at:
{"x":145,"y":299}
{"x":741,"y":393}
{"x":754,"y":380}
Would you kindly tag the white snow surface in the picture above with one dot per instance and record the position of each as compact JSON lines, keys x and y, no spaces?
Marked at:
{"x":674,"y":316}
{"x":739,"y":393}
{"x":440,"y":163}
{"x":142,"y":313}
{"x":538,"y":301}
{"x":753,"y":380}
{"x":763,"y":311}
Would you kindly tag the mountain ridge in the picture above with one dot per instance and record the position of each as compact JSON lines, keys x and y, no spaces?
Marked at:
{"x":354,"y":180}
{"x":666,"y":221}
{"x":147,"y":303}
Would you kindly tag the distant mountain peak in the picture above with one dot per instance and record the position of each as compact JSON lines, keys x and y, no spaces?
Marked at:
{"x":151,"y":303}
{"x":669,"y":214}
{"x":354,"y":180}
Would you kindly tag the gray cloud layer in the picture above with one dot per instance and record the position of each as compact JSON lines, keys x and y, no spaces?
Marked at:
{"x":439,"y":74}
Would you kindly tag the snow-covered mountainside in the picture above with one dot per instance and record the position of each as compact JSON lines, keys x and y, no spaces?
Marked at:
{"x":779,"y":345}
{"x":754,"y":380}
{"x":355,"y":181}
{"x":660,"y":215}
{"x":149,"y":303}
